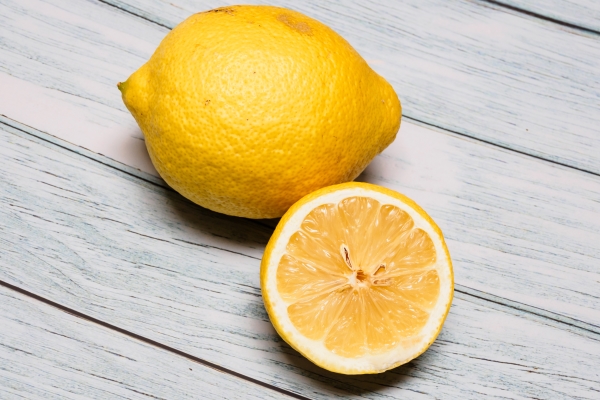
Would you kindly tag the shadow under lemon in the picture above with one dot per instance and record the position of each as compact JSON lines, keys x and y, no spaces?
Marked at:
{"x":249,"y":237}
{"x":237,"y":234}
{"x":345,"y":384}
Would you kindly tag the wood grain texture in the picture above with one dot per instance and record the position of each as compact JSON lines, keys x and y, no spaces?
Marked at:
{"x":141,"y":257}
{"x":115,"y":247}
{"x":80,"y":60}
{"x":466,"y":66}
{"x":48,"y":354}
{"x":518,"y":228}
{"x":87,"y":124}
{"x":581,"y":13}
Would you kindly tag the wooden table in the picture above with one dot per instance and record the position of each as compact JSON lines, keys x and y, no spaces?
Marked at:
{"x":112,"y":286}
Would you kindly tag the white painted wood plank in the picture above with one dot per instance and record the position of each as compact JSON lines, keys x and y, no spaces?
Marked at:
{"x":518,"y":228}
{"x":93,"y":126}
{"x":141,"y":257}
{"x":582,"y":13}
{"x":73,"y":54}
{"x":46,"y":353}
{"x":466,"y":66}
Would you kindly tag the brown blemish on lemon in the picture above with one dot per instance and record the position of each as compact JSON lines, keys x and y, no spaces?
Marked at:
{"x":295,"y":24}
{"x":199,"y":149}
{"x":226,"y":10}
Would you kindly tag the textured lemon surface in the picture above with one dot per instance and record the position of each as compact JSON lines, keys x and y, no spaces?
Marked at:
{"x":246,"y":109}
{"x":357,"y":278}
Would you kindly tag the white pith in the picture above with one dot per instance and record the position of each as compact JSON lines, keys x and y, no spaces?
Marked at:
{"x":315,"y":349}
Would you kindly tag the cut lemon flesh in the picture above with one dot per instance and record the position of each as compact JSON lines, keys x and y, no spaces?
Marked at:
{"x":357,"y":278}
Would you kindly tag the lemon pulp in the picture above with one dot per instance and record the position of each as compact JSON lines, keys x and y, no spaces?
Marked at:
{"x":358,"y":276}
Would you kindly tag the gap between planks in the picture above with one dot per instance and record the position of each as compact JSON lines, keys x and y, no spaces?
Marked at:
{"x":150,"y":341}
{"x":497,"y":145}
{"x":531,"y":14}
{"x":493,"y":2}
{"x":52,"y":354}
{"x":183,"y":354}
{"x":562,"y":320}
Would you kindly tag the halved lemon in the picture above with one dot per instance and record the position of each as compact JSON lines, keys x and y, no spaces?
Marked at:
{"x":357,"y":278}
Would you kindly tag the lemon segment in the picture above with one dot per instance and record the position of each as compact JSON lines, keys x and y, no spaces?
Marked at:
{"x":357,"y":278}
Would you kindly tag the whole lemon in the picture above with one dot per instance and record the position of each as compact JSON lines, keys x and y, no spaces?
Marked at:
{"x":246,"y":109}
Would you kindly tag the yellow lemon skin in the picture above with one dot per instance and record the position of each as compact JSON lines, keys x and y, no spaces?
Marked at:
{"x":246,"y":109}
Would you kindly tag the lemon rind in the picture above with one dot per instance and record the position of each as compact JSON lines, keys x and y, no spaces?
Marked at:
{"x":315,"y":350}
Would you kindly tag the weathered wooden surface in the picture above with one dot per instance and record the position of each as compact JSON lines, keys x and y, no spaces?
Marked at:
{"x":46,"y":353}
{"x":580,"y":13}
{"x":90,"y":125}
{"x":519,"y":228}
{"x":114,"y":243}
{"x":466,"y":66}
{"x":140,"y":257}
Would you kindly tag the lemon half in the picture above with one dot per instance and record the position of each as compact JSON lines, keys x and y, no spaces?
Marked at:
{"x":357,"y":278}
